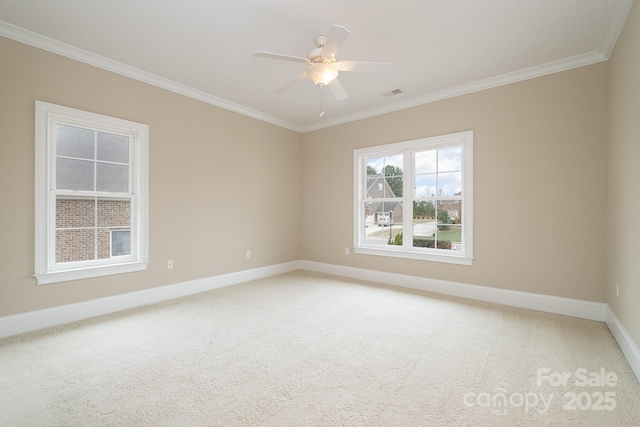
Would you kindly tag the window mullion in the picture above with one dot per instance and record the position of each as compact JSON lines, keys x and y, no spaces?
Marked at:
{"x":133,"y":226}
{"x":407,"y":199}
{"x":95,"y":200}
{"x":361,"y":208}
{"x":52,"y":195}
{"x":51,"y":232}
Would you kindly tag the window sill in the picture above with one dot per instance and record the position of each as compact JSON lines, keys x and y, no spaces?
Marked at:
{"x":86,"y":273}
{"x":423,"y":256}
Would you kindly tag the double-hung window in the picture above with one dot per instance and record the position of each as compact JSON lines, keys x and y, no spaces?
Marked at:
{"x":91,"y":194}
{"x":414,"y":199}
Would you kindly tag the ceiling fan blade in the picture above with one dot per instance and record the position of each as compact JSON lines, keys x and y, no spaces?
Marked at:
{"x":337,"y":90}
{"x":292,"y":83}
{"x":280,"y":56}
{"x":336,"y":38}
{"x":364,"y":67}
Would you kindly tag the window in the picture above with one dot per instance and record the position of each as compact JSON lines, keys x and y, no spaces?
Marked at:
{"x":414,"y":199}
{"x":91,"y":194}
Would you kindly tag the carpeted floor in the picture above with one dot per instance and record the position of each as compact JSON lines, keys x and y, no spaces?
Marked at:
{"x":304,"y":349}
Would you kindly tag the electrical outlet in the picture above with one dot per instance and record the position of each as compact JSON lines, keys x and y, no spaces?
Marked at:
{"x":248,"y":253}
{"x":346,"y":251}
{"x":170,"y":264}
{"x":617,"y":290}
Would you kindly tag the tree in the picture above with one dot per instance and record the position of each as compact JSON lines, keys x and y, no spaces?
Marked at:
{"x":424,"y":209}
{"x":396,"y":240}
{"x":444,"y":217}
{"x":371,"y":170}
{"x":393,"y":175}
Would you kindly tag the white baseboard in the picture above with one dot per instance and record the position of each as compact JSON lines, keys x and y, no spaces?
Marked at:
{"x":40,"y":319}
{"x":550,"y":304}
{"x":625,"y":342}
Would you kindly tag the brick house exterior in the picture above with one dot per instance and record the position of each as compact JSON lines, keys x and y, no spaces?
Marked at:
{"x":83,"y":222}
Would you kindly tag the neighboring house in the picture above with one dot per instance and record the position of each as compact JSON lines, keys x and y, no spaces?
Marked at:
{"x":84,"y":232}
{"x":378,"y":188}
{"x":454,"y":208}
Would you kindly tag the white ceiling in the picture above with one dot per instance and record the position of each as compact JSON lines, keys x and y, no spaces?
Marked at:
{"x":204,"y":48}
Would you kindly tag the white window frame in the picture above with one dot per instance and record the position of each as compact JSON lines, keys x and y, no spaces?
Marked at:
{"x":48,"y":116}
{"x":408,"y":148}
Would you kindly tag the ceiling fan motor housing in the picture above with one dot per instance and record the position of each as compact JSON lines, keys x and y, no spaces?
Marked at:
{"x":315,"y":55}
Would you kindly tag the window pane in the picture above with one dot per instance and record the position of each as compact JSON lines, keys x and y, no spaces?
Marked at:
{"x":424,"y":212}
{"x":424,"y":227}
{"x":75,"y":245}
{"x":74,"y":174}
{"x":449,"y":212}
{"x":375,"y":187}
{"x":426,"y":161}
{"x":393,"y":176}
{"x":375,"y":166}
{"x":75,"y":213}
{"x":425,"y":185}
{"x":424,"y":209}
{"x":450,"y":184}
{"x":386,"y":171}
{"x":114,"y":213}
{"x":449,"y":237}
{"x":112,"y":178}
{"x":75,"y":142}
{"x":383,"y":222}
{"x":120,"y":242}
{"x":113,"y":148}
{"x":450,"y":159}
{"x":424,"y":224}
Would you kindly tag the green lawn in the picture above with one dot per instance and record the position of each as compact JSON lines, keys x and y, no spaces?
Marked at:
{"x":453,"y":234}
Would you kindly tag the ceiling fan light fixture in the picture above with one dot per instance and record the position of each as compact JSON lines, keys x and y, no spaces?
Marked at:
{"x":322,"y":73}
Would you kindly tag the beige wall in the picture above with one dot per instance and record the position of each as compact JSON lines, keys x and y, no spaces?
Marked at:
{"x":623,"y":214}
{"x":220,"y":182}
{"x":539,"y":184}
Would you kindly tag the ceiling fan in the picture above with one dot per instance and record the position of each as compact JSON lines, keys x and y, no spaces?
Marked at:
{"x":323,"y":68}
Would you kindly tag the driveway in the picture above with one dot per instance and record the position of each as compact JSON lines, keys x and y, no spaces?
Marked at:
{"x":423,"y":229}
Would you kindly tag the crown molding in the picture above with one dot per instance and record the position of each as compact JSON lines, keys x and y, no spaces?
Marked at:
{"x":477,"y":86}
{"x":42,"y":42}
{"x":617,"y":19}
{"x":615,"y":24}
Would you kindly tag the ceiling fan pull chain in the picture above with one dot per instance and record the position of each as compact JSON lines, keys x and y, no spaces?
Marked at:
{"x":321,"y":101}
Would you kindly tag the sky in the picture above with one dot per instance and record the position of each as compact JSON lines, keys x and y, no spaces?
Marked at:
{"x":437,"y":172}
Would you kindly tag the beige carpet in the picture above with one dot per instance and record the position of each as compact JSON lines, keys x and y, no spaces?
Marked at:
{"x":305,"y":349}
